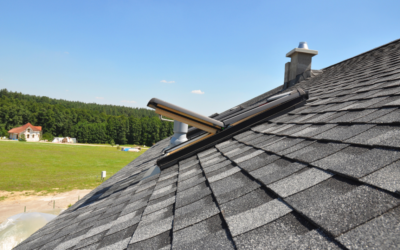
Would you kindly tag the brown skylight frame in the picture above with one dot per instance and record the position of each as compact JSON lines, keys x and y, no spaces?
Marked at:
{"x":230,"y":127}
{"x":186,"y":116}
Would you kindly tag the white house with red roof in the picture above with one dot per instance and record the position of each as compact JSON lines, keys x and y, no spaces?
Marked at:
{"x":32,"y":133}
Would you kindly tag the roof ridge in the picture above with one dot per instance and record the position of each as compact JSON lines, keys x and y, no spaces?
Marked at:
{"x":366,"y":52}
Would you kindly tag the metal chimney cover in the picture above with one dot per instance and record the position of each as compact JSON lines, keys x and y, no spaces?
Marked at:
{"x":303,"y":45}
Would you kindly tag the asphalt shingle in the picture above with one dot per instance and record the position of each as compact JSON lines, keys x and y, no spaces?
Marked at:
{"x":246,"y":202}
{"x":282,"y":144}
{"x":287,"y":232}
{"x":358,"y":162}
{"x":343,"y":132}
{"x":386,"y":178}
{"x":316,"y":151}
{"x":380,"y":136}
{"x":313,"y":130}
{"x":195,"y":212}
{"x":258,"y":216}
{"x":217,"y":166}
{"x":192,"y":194}
{"x":201,"y":230}
{"x":222,"y":173}
{"x":191,"y":182}
{"x":374,"y":115}
{"x":296,"y":147}
{"x":338,"y":213}
{"x":380,"y":233}
{"x":246,"y":155}
{"x":232,"y":187}
{"x":277,"y":170}
{"x":157,"y":242}
{"x":298,"y":182}
{"x":148,"y":231}
{"x":392,"y":117}
{"x":258,"y":161}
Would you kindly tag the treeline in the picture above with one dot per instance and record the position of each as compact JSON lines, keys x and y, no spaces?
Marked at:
{"x":88,"y":122}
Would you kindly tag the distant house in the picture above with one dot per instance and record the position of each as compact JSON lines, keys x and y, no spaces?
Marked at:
{"x":64,"y":140}
{"x":32,"y":133}
{"x":58,"y":139}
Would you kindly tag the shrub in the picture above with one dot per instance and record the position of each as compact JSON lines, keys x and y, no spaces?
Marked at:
{"x":47,"y":136}
{"x":22,"y":138}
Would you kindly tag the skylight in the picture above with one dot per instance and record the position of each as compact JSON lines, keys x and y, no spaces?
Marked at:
{"x":186,"y":116}
{"x":226,"y":126}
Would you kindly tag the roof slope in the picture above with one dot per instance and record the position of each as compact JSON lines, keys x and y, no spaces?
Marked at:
{"x":24,"y":127}
{"x":324,"y":176}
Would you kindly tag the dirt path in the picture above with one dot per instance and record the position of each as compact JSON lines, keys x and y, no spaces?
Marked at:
{"x":16,"y":201}
{"x":83,"y":144}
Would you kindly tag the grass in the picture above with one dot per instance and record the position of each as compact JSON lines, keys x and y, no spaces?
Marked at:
{"x":57,"y":168}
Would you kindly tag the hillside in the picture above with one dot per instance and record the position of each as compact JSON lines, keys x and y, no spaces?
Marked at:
{"x":88,"y":122}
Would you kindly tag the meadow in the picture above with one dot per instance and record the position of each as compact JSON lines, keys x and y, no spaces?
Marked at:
{"x":47,"y":167}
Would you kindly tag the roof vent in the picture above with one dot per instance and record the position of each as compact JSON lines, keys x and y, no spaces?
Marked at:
{"x":303,"y":45}
{"x":180,"y":131}
{"x":299,"y":67}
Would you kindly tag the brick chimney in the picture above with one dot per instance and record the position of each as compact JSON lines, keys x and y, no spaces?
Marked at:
{"x":299,"y":67}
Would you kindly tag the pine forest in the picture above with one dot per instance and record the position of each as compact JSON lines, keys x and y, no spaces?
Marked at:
{"x":87,"y":122}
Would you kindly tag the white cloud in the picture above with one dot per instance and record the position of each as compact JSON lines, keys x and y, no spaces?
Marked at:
{"x":165,"y":81}
{"x":199,"y":92}
{"x":66,"y":52}
{"x":100,"y":98}
{"x":125,"y":101}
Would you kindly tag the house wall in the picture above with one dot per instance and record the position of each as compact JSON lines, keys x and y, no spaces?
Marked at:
{"x":33,"y":135}
{"x":13,"y":136}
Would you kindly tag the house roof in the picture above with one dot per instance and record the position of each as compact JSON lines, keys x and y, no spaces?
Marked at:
{"x":24,"y":127}
{"x":323,"y":176}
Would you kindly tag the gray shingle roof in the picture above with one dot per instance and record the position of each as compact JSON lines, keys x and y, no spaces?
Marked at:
{"x":323,"y":176}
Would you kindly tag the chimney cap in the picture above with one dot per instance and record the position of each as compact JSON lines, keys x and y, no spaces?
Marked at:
{"x":303,"y":45}
{"x":303,"y":49}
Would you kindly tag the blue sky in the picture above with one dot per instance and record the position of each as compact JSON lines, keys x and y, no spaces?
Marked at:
{"x":226,"y":52}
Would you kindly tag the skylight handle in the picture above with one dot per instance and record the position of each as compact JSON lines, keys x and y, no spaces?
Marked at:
{"x":165,"y":120}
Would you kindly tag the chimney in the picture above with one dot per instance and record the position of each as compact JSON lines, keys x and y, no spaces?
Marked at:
{"x":299,"y":67}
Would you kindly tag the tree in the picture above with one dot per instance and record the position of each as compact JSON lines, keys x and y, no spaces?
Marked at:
{"x":3,"y":132}
{"x":88,"y":122}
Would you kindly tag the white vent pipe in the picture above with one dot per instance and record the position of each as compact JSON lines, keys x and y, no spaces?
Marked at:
{"x":180,"y":131}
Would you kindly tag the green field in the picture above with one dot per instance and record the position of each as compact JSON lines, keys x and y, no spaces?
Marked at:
{"x":56,"y":167}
